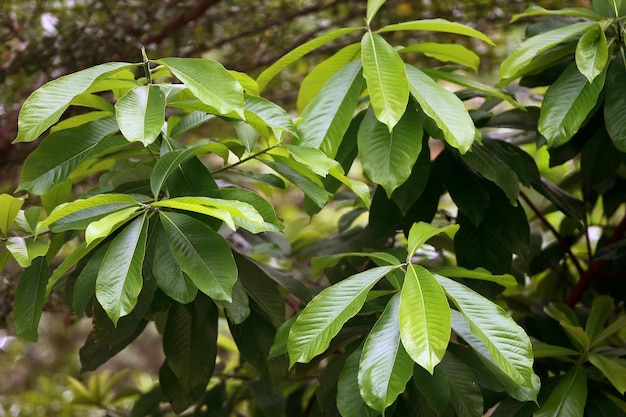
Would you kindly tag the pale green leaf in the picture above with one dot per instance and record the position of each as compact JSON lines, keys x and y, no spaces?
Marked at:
{"x":566,"y":105}
{"x":119,"y":280}
{"x":385,"y":367}
{"x":444,"y":108}
{"x":25,"y":249}
{"x":9,"y":207}
{"x":359,"y":188}
{"x":446,"y":53}
{"x":420,"y":232}
{"x":386,"y":79}
{"x":615,"y":104}
{"x":30,"y":296}
{"x":438,"y":25}
{"x":565,"y":11}
{"x":506,"y":280}
{"x":372,"y":8}
{"x":210,"y":82}
{"x":349,"y":401}
{"x":106,"y":225}
{"x":269,"y":73}
{"x":302,"y":177}
{"x":45,"y":106}
{"x":178,"y":127}
{"x":324,"y":316}
{"x":592,"y":53}
{"x":568,"y":398}
{"x":270,"y":114}
{"x":140,"y":114}
{"x":424,"y":318}
{"x":261,"y":205}
{"x":248,"y":83}
{"x":614,"y":370}
{"x":544,"y":350}
{"x":92,"y":101}
{"x":312,"y":157}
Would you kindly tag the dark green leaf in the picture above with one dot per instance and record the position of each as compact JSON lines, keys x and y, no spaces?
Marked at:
{"x":95,"y":351}
{"x":568,"y":398}
{"x":349,"y":401}
{"x":85,"y":285}
{"x":615,"y":104}
{"x":30,"y":296}
{"x":494,"y":169}
{"x":465,"y":395}
{"x":435,"y":388}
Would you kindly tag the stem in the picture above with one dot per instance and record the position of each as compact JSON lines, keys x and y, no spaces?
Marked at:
{"x":246,"y":159}
{"x":146,"y":66}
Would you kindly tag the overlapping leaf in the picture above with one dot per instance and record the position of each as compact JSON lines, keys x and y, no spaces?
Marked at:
{"x":568,"y":398}
{"x":438,"y":25}
{"x":30,"y":296}
{"x":140,"y":114}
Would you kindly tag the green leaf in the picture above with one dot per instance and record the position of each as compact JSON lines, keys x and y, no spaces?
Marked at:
{"x":119,"y":280}
{"x":420,"y":232}
{"x":106,"y":225}
{"x":513,"y":66}
{"x":315,"y":80}
{"x":9,"y":207}
{"x":349,"y":400}
{"x":600,"y":310}
{"x":599,"y":404}
{"x":504,"y":339}
{"x":297,"y":174}
{"x":269,"y":73}
{"x":372,"y":8}
{"x":614,"y":370}
{"x":324,"y":316}
{"x":424,"y":318}
{"x":85,"y":285}
{"x":592,"y":53}
{"x":505,"y":280}
{"x":567,"y":103}
{"x":92,"y":101}
{"x":435,"y":388}
{"x":30,"y":296}
{"x":24,"y":250}
{"x":187,"y":123}
{"x":446,"y":53}
{"x":444,"y":108}
{"x":270,"y":114}
{"x":45,"y":106}
{"x":326,"y":118}
{"x":202,"y":254}
{"x":613,"y":328}
{"x":386,"y":79}
{"x":388,"y":157}
{"x":544,"y":350}
{"x":565,"y":11}
{"x":140,"y":114}
{"x":490,"y":166}
{"x":319,"y":263}
{"x":210,"y":82}
{"x":238,"y":309}
{"x":385,"y":367}
{"x":438,"y":25}
{"x":568,"y":398}
{"x":56,"y":157}
{"x":465,"y":395}
{"x":615,"y":104}
{"x":260,"y":204}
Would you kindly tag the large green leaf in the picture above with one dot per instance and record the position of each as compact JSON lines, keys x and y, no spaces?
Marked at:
{"x":324,"y":316}
{"x":301,"y":176}
{"x":567,"y":103}
{"x":210,"y":82}
{"x":614,"y":370}
{"x":513,"y":66}
{"x":615,"y":104}
{"x":568,"y":398}
{"x":565,"y":11}
{"x":119,"y":280}
{"x":102,"y":228}
{"x":600,"y":310}
{"x":372,"y":8}
{"x":465,"y":395}
{"x":270,"y":114}
{"x":85,"y":285}
{"x":56,"y":157}
{"x":424,"y":317}
{"x":505,"y":280}
{"x":140,"y":114}
{"x":444,"y":108}
{"x":260,"y":204}
{"x":592,"y":53}
{"x":420,"y":232}
{"x":504,"y":339}
{"x":446,"y":53}
{"x":25,"y":249}
{"x":349,"y":400}
{"x":30,"y":296}
{"x":202,"y":254}
{"x":269,"y":73}
{"x":434,"y":388}
{"x":438,"y":25}
{"x":9,"y":207}
{"x":326,"y":118}
{"x":388,"y":157}
{"x":600,"y":404}
{"x":385,"y":367}
{"x":78,"y":253}
{"x":386,"y":79}
{"x":45,"y":106}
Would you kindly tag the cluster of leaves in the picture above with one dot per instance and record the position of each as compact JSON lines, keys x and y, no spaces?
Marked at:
{"x":175,"y":229}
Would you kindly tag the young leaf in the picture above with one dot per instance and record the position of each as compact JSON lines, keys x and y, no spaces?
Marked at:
{"x":324,"y":316}
{"x":592,"y":53}
{"x":106,"y":225}
{"x":420,"y":233}
{"x":9,"y":207}
{"x":386,"y":79}
{"x":202,"y":254}
{"x":45,"y":106}
{"x":615,"y":104}
{"x":438,"y":25}
{"x":567,"y":103}
{"x":372,"y":8}
{"x":30,"y":296}
{"x":446,"y":53}
{"x":385,"y":367}
{"x":568,"y":398}
{"x":119,"y":280}
{"x":24,"y":250}
{"x":140,"y":114}
{"x":326,"y":118}
{"x":612,"y":369}
{"x":388,"y":157}
{"x":444,"y":108}
{"x":424,"y":318}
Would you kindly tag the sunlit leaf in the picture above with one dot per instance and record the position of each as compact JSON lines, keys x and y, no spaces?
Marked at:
{"x":438,"y":25}
{"x":592,"y":53}
{"x":9,"y":207}
{"x":140,"y":114}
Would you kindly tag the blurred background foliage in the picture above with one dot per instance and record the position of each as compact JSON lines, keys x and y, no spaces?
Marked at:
{"x":43,"y":39}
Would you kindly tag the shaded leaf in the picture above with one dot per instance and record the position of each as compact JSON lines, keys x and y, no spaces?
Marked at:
{"x":446,"y":53}
{"x":612,"y":369}
{"x":349,"y":401}
{"x":615,"y":104}
{"x":506,"y":280}
{"x":465,"y":395}
{"x":568,"y":398}
{"x":30,"y":296}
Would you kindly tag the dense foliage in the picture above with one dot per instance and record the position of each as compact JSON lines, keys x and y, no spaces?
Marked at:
{"x":470,"y":265}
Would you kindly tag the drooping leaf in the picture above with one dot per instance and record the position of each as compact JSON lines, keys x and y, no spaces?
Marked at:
{"x":270,"y":114}
{"x":25,"y":249}
{"x":565,"y":11}
{"x":424,"y":318}
{"x":505,"y":280}
{"x":420,"y":232}
{"x":592,"y":53}
{"x":568,"y":398}
{"x":386,"y":79}
{"x":45,"y":106}
{"x":140,"y":114}
{"x":319,"y":263}
{"x":444,"y":108}
{"x":615,"y":104}
{"x":438,"y":25}
{"x":202,"y":254}
{"x":446,"y":53}
{"x":9,"y":207}
{"x":599,"y":404}
{"x":179,"y":396}
{"x":465,"y":395}
{"x":612,"y":369}
{"x":30,"y":296}
{"x":349,"y":400}
{"x":120,"y":280}
{"x":96,"y":351}
{"x":260,"y":204}
{"x":324,"y":316}
{"x":385,"y":367}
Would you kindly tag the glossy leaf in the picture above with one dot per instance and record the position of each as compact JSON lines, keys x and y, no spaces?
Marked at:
{"x":564,"y":11}
{"x":424,"y":318}
{"x":45,"y":106}
{"x":298,"y":175}
{"x":349,"y":400}
{"x":612,"y":369}
{"x":260,"y":204}
{"x":120,"y":280}
{"x":420,"y":232}
{"x":140,"y":114}
{"x":30,"y":296}
{"x":68,"y":263}
{"x":210,"y":82}
{"x":270,"y":114}
{"x":388,"y":157}
{"x":318,"y":264}
{"x":568,"y":398}
{"x":438,"y":25}
{"x":446,"y":53}
{"x":600,"y":310}
{"x":385,"y":366}
{"x":9,"y":207}
{"x":106,"y":225}
{"x":324,"y":316}
{"x":465,"y":395}
{"x":24,"y":250}
{"x":434,"y":388}
{"x":386,"y":79}
{"x":615,"y":104}
{"x":506,"y":280}
{"x":500,"y":172}
{"x":326,"y":118}
{"x":85,"y":285}
{"x":444,"y":108}
{"x":202,"y":254}
{"x":592,"y":53}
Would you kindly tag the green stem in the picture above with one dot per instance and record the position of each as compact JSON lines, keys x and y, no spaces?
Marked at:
{"x":146,"y":66}
{"x":246,"y":159}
